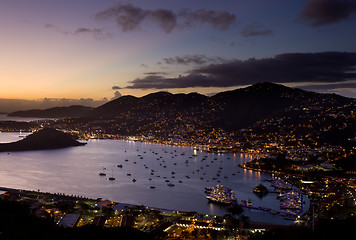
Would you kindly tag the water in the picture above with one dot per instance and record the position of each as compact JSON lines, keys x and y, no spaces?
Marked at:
{"x":76,"y":171}
{"x":4,"y":117}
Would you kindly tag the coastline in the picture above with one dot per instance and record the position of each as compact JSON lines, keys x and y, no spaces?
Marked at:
{"x":193,"y":209}
{"x":118,"y":206}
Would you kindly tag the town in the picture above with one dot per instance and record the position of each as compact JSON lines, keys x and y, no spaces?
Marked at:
{"x":309,"y":145}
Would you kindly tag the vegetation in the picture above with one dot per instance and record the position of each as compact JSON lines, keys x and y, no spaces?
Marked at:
{"x":16,"y":222}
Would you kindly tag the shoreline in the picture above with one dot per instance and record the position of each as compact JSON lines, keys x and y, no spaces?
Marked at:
{"x":121,"y":206}
{"x":159,"y":208}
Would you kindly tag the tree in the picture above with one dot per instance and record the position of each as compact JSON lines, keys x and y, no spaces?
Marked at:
{"x":236,"y":218}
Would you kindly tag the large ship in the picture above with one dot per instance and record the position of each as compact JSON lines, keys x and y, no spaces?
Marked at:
{"x":220,"y":195}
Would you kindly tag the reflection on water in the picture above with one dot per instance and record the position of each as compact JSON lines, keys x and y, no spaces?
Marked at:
{"x":76,"y":171}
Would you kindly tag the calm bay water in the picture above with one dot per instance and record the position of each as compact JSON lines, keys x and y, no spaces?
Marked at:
{"x":76,"y":171}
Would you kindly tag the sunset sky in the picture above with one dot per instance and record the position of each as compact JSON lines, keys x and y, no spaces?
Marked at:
{"x":90,"y":49}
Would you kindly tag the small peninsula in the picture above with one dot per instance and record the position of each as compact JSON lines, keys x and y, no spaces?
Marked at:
{"x":44,"y":139}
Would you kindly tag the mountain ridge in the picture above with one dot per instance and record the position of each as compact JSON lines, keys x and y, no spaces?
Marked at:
{"x":229,"y":110}
{"x":55,"y":112}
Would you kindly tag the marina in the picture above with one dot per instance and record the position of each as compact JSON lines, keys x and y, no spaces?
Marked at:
{"x":290,"y":198}
{"x":76,"y":171}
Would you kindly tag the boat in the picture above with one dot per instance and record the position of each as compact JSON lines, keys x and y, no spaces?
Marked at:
{"x":221,"y":195}
{"x":134,"y":180}
{"x":208,"y":189}
{"x":112,"y":176}
{"x":119,"y":165}
{"x":170,"y":185}
{"x":102,"y":173}
{"x":152,"y":187}
{"x":249,"y":203}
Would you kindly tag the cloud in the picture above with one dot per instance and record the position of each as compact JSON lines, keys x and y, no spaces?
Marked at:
{"x":255,"y":29}
{"x":115,"y":87}
{"x":117,"y":95}
{"x":160,"y":82}
{"x":129,"y":18}
{"x":165,"y":19}
{"x":155,"y":73}
{"x":57,"y":29}
{"x":323,"y":12}
{"x":221,"y":20}
{"x":284,"y":68}
{"x":192,"y":59}
{"x":97,"y":33}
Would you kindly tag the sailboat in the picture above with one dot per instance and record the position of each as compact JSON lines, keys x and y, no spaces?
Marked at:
{"x":102,"y":173}
{"x":152,"y":186}
{"x":112,"y":176}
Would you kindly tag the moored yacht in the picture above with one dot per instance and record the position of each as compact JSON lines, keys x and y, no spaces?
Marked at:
{"x":221,"y":195}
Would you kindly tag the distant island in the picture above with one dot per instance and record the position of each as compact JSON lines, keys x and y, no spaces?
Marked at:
{"x":56,"y":112}
{"x":46,"y":138}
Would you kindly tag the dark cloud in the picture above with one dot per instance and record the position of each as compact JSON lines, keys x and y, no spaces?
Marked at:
{"x":117,"y":95}
{"x":289,"y":67}
{"x":159,"y":82}
{"x":165,"y":19}
{"x":129,"y":17}
{"x":255,"y":29}
{"x":192,"y":59}
{"x":221,"y":20}
{"x":322,"y":12}
{"x":155,"y":73}
{"x":116,"y":87}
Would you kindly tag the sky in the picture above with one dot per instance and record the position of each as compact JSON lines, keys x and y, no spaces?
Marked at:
{"x":93,"y":51}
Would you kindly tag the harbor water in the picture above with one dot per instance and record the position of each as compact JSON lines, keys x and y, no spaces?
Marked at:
{"x":155,"y":175}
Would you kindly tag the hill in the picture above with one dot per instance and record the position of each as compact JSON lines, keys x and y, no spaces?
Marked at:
{"x":264,"y":118}
{"x":47,"y":138}
{"x":149,"y":104}
{"x":56,"y":112}
{"x":230,"y":110}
